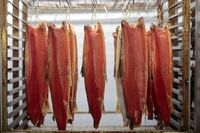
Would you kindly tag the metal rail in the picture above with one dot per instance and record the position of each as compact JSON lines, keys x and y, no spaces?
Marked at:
{"x":1,"y":89}
{"x":197,"y":71}
{"x":186,"y":65}
{"x":15,"y":90}
{"x":3,"y":66}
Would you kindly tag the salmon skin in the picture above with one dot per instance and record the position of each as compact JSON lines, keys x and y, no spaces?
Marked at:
{"x":162,"y":72}
{"x":36,"y":71}
{"x":121,"y":107}
{"x":59,"y":72}
{"x":94,"y":70}
{"x":74,"y":72}
{"x":134,"y":69}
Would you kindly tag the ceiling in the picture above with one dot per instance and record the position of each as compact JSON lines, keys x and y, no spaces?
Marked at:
{"x":123,"y":5}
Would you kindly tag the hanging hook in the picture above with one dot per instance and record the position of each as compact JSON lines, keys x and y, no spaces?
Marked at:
{"x":106,"y":11}
{"x":147,"y":4}
{"x":35,"y":10}
{"x":67,"y":16}
{"x":93,"y":15}
{"x":36,"y":15}
{"x":59,"y":10}
{"x":94,"y":3}
{"x":126,"y":9}
{"x":105,"y":8}
{"x":56,"y":12}
{"x":132,"y":8}
{"x":65,"y":11}
{"x":68,"y":3}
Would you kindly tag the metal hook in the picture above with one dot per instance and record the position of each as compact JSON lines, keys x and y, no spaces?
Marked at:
{"x":132,"y":7}
{"x":68,"y":14}
{"x":35,"y":9}
{"x":56,"y":12}
{"x":147,"y":4}
{"x":36,"y":15}
{"x":126,"y":9}
{"x":94,"y":3}
{"x":59,"y":10}
{"x":68,"y":3}
{"x":93,"y":14}
{"x":60,"y":5}
{"x":106,"y":11}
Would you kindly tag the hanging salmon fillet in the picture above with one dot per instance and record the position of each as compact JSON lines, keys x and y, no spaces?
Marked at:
{"x":162,"y":72}
{"x":150,"y":87}
{"x":121,"y":107}
{"x":134,"y":69}
{"x":94,"y":70}
{"x":59,"y":72}
{"x":151,"y":97}
{"x":74,"y":72}
{"x":36,"y":71}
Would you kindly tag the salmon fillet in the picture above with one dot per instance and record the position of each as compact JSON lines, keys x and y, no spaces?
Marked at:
{"x":36,"y":71}
{"x":59,"y":72}
{"x":134,"y":69}
{"x":118,"y":107}
{"x":150,"y":87}
{"x":121,"y":107}
{"x":162,"y":72}
{"x":74,"y":72}
{"x":94,"y":70}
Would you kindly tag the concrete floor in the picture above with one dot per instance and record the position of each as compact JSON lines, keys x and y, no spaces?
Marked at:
{"x":109,"y":122}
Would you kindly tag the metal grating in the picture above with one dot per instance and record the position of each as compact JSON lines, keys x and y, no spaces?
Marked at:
{"x":14,"y":97}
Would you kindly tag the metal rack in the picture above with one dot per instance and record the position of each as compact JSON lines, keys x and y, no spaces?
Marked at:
{"x":177,"y":13}
{"x":13,"y":27}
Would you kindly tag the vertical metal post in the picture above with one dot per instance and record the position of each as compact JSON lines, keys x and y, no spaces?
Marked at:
{"x":3,"y":52}
{"x":1,"y":11}
{"x":25,"y":9}
{"x":186,"y":65}
{"x":197,"y":69}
